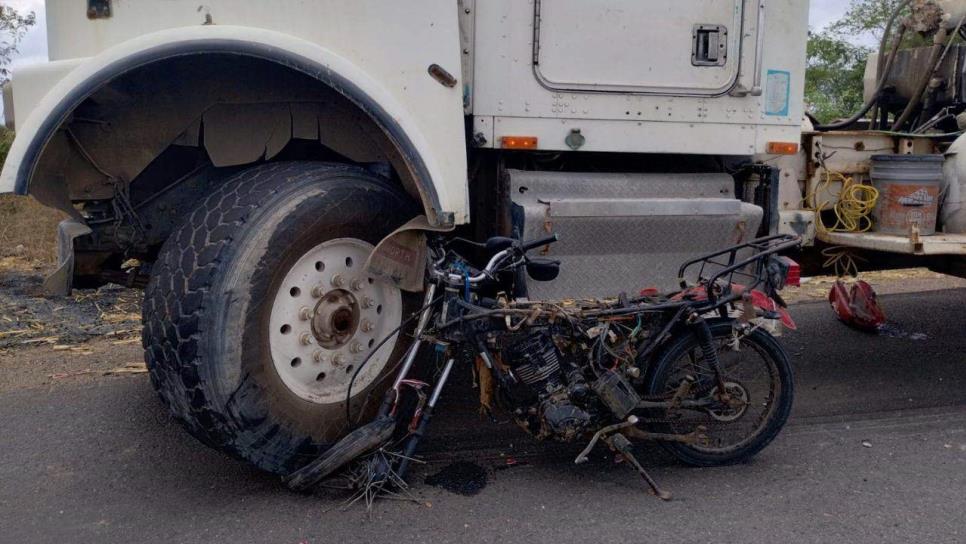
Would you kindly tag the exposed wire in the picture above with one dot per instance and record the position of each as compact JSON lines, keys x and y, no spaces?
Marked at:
{"x":853,"y":206}
{"x":372,"y":352}
{"x":914,"y":135}
{"x":935,"y":120}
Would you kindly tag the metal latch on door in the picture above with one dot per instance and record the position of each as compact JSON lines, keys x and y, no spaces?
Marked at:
{"x":709,"y":45}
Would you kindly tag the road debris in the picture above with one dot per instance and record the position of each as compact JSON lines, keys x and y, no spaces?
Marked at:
{"x":856,"y":305}
{"x":886,"y":282}
{"x":27,"y":318}
{"x":71,"y":374}
{"x":130,"y":368}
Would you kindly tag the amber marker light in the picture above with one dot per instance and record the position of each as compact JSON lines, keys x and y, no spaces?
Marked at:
{"x":782,"y":148}
{"x":518,"y":142}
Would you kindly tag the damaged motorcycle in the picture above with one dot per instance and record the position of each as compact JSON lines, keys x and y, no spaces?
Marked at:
{"x":696,"y":370}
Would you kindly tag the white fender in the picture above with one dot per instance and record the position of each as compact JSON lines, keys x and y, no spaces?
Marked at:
{"x":432,"y":137}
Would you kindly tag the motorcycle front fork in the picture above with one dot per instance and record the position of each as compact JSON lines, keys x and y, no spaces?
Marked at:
{"x":424,"y":417}
{"x":391,"y":399}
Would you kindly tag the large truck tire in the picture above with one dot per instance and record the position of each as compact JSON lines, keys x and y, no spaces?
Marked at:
{"x":259,"y":310}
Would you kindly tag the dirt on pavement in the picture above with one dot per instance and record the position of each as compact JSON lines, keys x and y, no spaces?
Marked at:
{"x":88,"y":334}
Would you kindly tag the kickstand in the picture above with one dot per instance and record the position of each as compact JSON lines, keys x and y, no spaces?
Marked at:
{"x":622,"y":445}
{"x":603,"y":433}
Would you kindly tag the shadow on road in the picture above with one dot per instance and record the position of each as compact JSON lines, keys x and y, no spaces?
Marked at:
{"x":84,"y":462}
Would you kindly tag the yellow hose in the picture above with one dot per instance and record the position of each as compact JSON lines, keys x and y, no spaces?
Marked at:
{"x":853,"y":205}
{"x":853,"y":213}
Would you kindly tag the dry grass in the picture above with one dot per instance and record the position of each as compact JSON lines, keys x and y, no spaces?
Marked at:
{"x":28,"y":230}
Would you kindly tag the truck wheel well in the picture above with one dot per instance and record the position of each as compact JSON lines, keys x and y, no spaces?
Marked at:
{"x":178,"y":121}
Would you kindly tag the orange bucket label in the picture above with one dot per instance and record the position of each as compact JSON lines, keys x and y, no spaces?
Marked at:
{"x":902,"y":205}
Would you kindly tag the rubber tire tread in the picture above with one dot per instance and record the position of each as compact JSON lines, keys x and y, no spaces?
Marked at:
{"x":688,"y":340}
{"x":179,"y":305}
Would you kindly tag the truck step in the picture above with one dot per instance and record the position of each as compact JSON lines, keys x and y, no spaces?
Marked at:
{"x":624,"y":232}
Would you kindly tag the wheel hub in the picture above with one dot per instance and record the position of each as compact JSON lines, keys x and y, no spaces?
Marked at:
{"x":736,"y":399}
{"x":335,"y":319}
{"x":326,"y":319}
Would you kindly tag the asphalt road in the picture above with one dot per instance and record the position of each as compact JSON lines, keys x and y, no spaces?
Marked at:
{"x":876,"y":452}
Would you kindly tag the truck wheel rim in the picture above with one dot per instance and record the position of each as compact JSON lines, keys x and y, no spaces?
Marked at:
{"x":327,"y":317}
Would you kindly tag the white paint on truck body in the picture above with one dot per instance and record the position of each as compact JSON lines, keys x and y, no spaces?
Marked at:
{"x":610,"y":46}
{"x":384,"y":48}
{"x":622,"y":72}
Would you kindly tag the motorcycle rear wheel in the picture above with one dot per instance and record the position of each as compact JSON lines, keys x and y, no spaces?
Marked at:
{"x":757,"y":375}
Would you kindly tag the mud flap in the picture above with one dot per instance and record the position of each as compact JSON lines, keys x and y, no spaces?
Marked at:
{"x":400,"y":258}
{"x":59,"y":282}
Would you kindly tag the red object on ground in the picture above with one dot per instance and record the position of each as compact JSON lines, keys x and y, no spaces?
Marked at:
{"x":856,"y":307}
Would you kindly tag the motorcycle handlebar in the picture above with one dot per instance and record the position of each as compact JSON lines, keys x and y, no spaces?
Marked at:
{"x":533,"y":244}
{"x":496,"y":261}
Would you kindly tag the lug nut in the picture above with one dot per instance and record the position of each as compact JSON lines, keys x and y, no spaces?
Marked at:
{"x":367,"y":302}
{"x":305,"y":314}
{"x":337,"y":280}
{"x":366,"y":325}
{"x":305,"y":339}
{"x":356,"y":285}
{"x":338,"y":359}
{"x":319,"y":356}
{"x":356,"y":347}
{"x":318,"y":291}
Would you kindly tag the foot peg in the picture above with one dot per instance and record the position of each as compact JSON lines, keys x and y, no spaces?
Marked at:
{"x":603,"y":433}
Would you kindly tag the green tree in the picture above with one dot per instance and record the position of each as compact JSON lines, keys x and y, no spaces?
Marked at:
{"x":833,"y":76}
{"x":837,"y":55}
{"x":865,"y":19}
{"x":13,"y":27}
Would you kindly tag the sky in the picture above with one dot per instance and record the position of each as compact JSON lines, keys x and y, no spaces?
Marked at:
{"x":34,"y":46}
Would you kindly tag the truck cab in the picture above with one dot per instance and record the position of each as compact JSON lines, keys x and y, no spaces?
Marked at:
{"x":243,"y":160}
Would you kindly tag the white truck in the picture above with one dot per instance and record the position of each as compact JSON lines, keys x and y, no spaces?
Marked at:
{"x":249,"y":156}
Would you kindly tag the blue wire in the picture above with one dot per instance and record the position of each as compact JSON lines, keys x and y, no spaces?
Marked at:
{"x":466,"y":280}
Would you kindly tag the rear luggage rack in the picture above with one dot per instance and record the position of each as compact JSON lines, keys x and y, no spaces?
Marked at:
{"x":728,"y":265}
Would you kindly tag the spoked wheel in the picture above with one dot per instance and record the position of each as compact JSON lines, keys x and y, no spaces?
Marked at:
{"x":737,"y":424}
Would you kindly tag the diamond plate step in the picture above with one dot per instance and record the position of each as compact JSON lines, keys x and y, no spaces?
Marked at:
{"x":624,"y":232}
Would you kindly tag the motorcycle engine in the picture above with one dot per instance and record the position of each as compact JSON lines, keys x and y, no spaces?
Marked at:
{"x":537,"y":363}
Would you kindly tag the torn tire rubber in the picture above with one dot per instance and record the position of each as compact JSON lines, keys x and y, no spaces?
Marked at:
{"x":354,"y":445}
{"x":209,"y":301}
